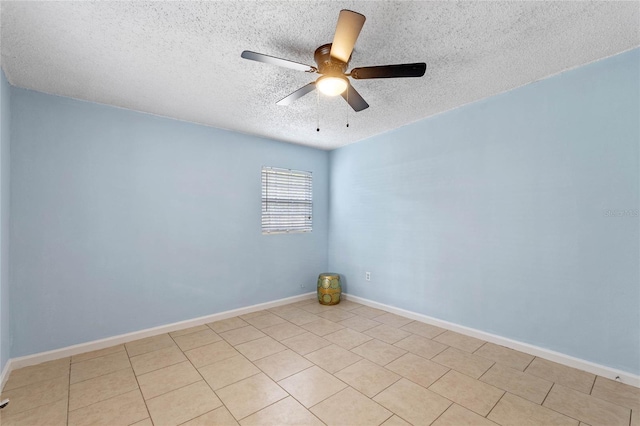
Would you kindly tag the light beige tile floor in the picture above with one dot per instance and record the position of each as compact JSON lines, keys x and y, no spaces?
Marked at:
{"x":309,"y":364}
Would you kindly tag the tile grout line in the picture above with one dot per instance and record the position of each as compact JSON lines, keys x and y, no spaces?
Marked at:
{"x":556,"y":411}
{"x":299,"y":402}
{"x":201,"y":377}
{"x":481,"y":346}
{"x":400,"y":376}
{"x":260,"y":372}
{"x":593,"y":385}
{"x":150,"y":352}
{"x":495,"y":405}
{"x":387,"y":387}
{"x":504,"y":392}
{"x":529,"y":364}
{"x":334,"y":376}
{"x":4,"y":391}
{"x":292,"y":374}
{"x":102,"y":375}
{"x":441,"y":333}
{"x":144,"y":401}
{"x":547,"y":395}
{"x":592,"y":396}
{"x":482,"y":375}
{"x":324,"y":399}
{"x":274,"y":381}
{"x":32,"y":383}
{"x":96,"y":377}
{"x":107,"y":399}
{"x":446,"y":409}
{"x":157,"y":369}
{"x":385,"y":420}
{"x":275,"y":402}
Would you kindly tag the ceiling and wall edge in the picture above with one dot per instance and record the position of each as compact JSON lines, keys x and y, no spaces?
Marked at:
{"x":358,"y":141}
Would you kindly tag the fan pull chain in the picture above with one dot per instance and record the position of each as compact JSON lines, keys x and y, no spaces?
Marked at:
{"x":317,"y":110}
{"x":348,"y":105}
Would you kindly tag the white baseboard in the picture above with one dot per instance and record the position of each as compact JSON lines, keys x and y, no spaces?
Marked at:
{"x":560,"y":358}
{"x":600,"y":370}
{"x":25,"y":361}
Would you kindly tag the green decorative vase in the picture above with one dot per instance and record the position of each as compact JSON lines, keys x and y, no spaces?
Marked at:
{"x":329,"y":288}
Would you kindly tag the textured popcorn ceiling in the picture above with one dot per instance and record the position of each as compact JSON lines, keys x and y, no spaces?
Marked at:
{"x":182,"y":60}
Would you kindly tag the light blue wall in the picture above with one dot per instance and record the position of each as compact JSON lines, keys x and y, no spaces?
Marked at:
{"x":123,"y":221}
{"x":5,"y":143}
{"x":490,"y":216}
{"x":493,"y":215}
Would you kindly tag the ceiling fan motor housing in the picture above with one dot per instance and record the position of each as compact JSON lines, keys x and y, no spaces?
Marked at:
{"x":326,"y":64}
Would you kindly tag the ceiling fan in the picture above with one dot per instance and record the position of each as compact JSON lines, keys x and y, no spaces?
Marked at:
{"x":332,"y":60}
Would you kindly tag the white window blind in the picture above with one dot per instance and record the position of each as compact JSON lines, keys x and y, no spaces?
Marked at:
{"x":287,"y":201}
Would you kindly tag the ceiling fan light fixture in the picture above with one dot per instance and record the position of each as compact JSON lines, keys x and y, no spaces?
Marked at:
{"x":333,"y":59}
{"x":332,"y":85}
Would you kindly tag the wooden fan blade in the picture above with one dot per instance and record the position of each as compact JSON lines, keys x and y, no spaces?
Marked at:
{"x":297,"y":94}
{"x":260,"y":57}
{"x":354,"y":99}
{"x":347,"y":31}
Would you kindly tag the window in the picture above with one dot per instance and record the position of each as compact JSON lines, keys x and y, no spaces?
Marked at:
{"x":286,"y":201}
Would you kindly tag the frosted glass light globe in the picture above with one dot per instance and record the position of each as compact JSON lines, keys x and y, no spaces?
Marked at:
{"x":332,"y":86}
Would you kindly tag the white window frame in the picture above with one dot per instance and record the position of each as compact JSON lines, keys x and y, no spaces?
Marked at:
{"x":287,"y":201}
